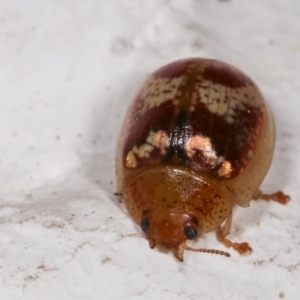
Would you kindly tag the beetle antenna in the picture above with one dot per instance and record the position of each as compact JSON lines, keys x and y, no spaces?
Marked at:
{"x":213,"y":251}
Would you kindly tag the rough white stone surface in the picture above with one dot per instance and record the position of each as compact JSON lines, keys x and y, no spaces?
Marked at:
{"x":68,"y":70}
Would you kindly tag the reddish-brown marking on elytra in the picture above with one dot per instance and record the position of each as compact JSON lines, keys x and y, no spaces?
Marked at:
{"x":176,"y":69}
{"x":225,"y":75}
{"x":152,"y":120}
{"x":231,"y":141}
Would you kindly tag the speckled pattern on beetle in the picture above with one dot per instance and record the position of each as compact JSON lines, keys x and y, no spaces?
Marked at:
{"x":197,"y":140}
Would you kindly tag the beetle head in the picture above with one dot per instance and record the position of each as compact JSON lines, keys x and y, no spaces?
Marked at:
{"x":169,"y":230}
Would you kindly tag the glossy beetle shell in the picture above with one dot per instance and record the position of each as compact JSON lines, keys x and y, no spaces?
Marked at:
{"x":197,"y":140}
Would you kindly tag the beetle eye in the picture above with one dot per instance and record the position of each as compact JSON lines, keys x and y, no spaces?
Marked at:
{"x":145,"y":224}
{"x":190,"y":232}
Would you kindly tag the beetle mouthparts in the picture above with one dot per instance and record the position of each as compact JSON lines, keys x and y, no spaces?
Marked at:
{"x":152,"y":243}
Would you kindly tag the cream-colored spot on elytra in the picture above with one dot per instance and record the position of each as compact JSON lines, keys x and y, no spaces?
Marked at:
{"x":225,"y":169}
{"x":144,"y":150}
{"x":226,"y":101}
{"x":203,"y":144}
{"x":157,"y":91}
{"x":157,"y":139}
{"x":130,"y":162}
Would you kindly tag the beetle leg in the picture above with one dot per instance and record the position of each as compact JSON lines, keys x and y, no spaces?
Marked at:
{"x":118,"y":194}
{"x":223,"y":231}
{"x":279,"y":197}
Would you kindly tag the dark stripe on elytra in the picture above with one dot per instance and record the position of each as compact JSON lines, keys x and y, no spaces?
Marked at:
{"x":179,"y":133}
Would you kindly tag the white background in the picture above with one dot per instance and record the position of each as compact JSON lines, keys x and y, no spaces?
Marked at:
{"x":68,"y":70}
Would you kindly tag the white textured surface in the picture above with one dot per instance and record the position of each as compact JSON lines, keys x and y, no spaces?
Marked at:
{"x":68,"y":72}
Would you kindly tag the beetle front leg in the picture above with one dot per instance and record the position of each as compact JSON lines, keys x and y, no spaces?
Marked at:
{"x":279,"y":197}
{"x":223,"y":231}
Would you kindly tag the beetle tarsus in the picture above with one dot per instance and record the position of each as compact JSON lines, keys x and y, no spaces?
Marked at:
{"x":222,"y":232}
{"x":242,"y":248}
{"x":279,"y":197}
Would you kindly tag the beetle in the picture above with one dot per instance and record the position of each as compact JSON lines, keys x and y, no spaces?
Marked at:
{"x":197,"y":140}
